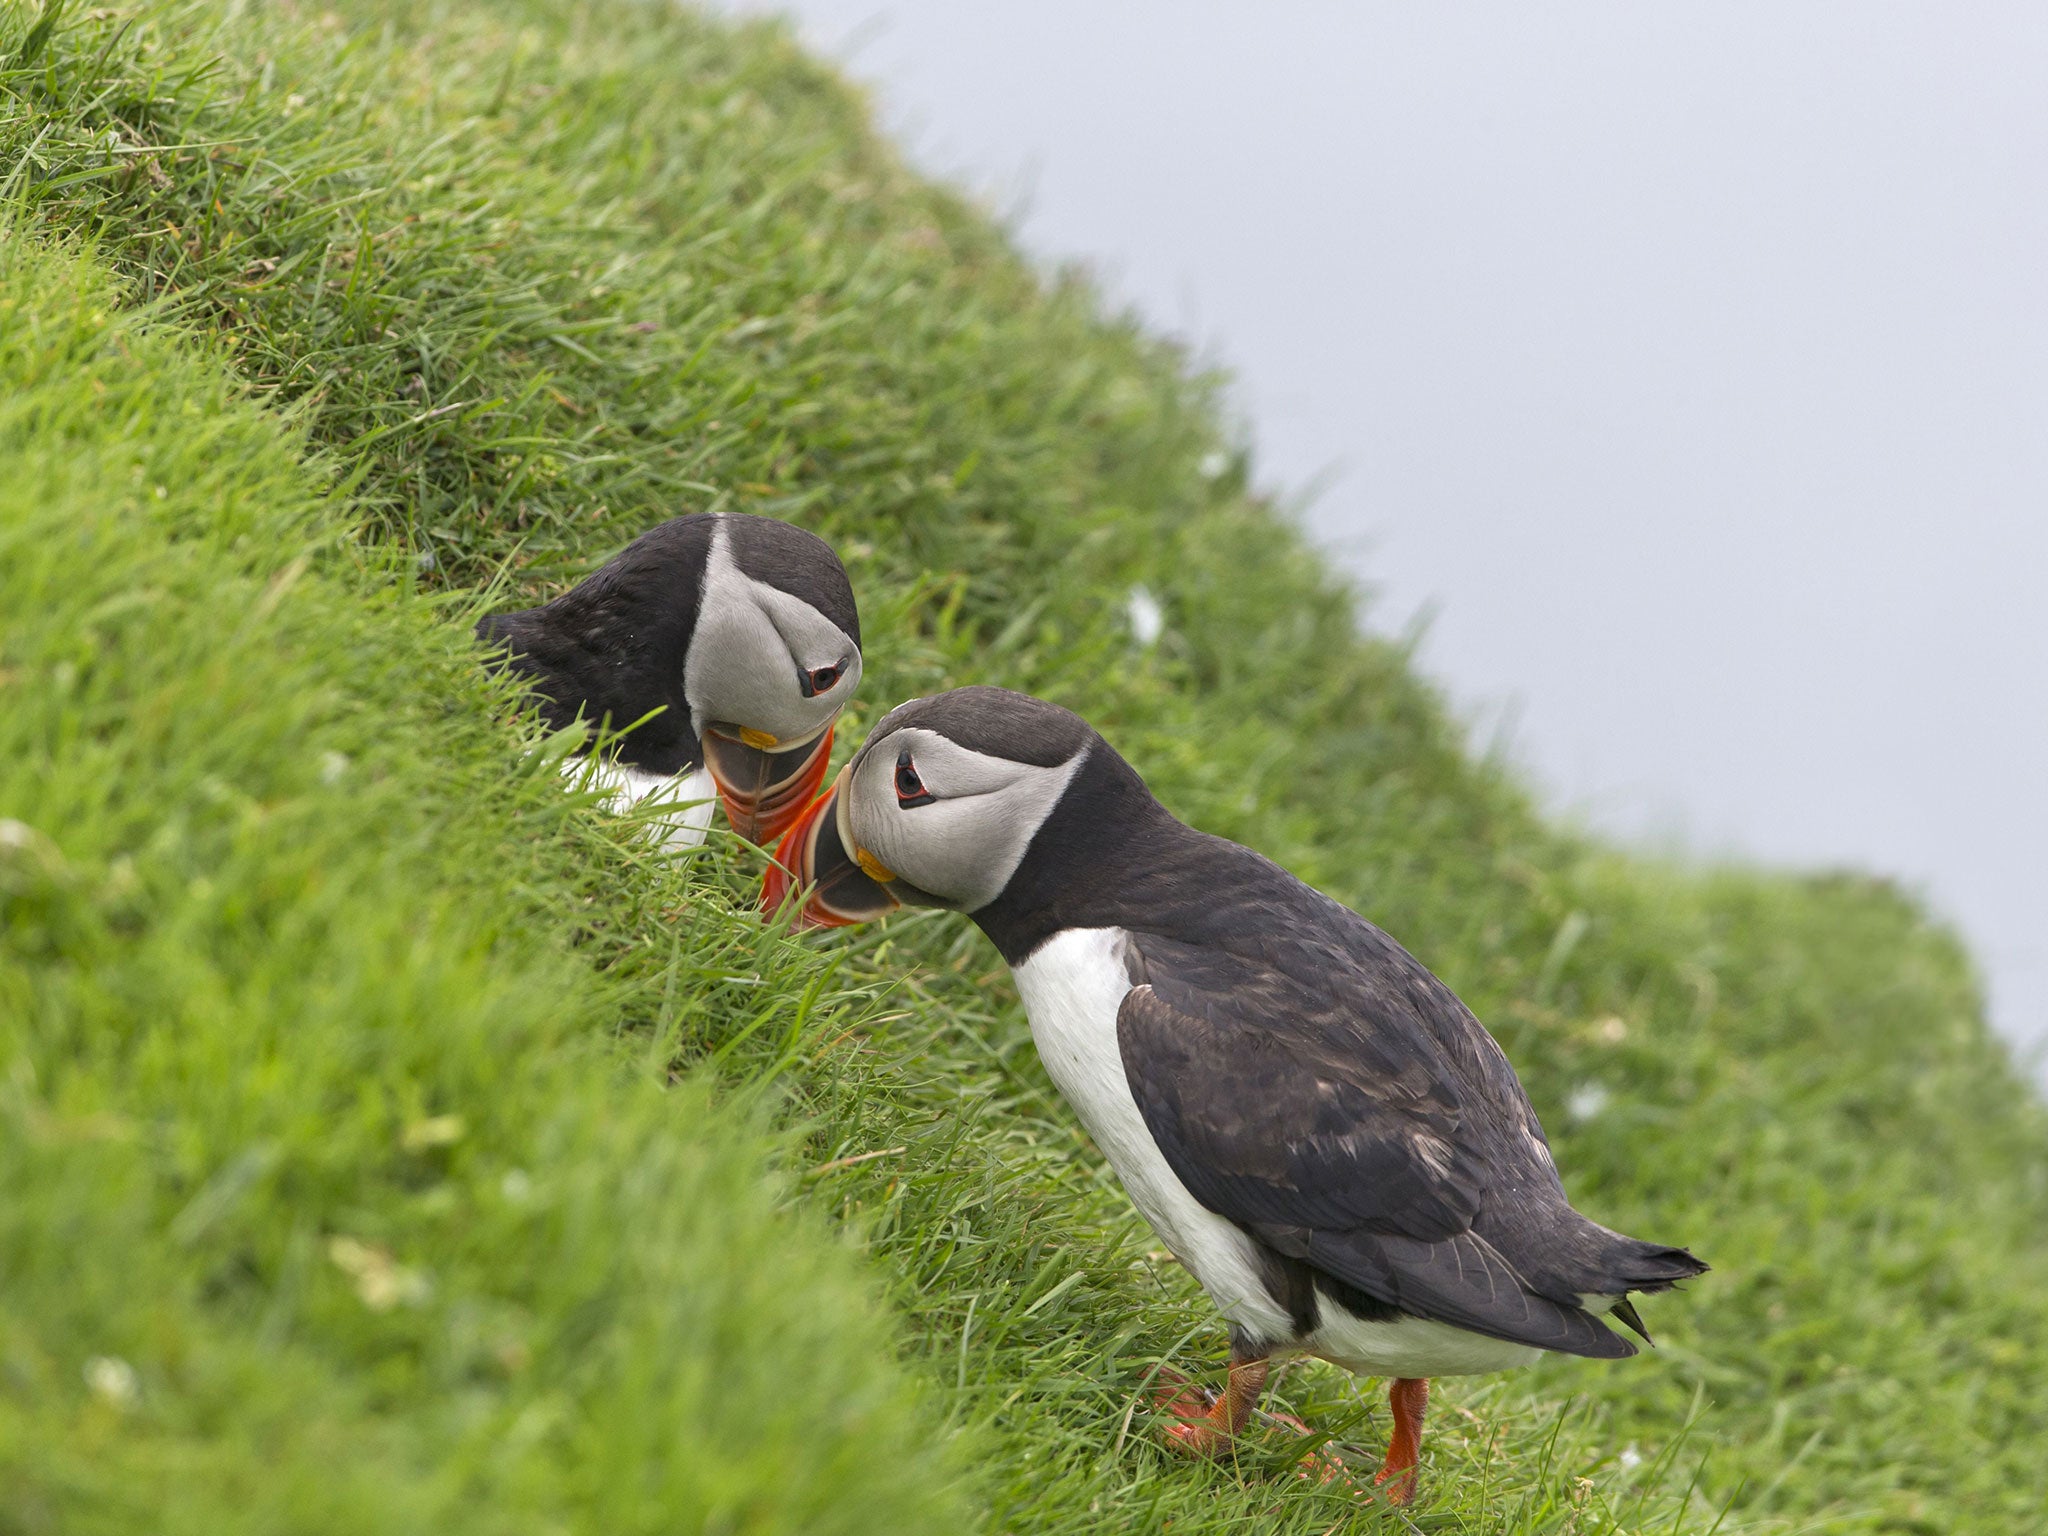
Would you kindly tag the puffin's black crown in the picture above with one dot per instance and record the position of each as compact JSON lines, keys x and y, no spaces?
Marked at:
{"x":997,"y":723}
{"x":796,"y":561}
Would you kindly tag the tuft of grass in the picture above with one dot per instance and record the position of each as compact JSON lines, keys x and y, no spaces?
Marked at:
{"x":530,"y":277}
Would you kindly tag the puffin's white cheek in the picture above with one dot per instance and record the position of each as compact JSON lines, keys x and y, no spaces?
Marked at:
{"x":739,"y":672}
{"x":969,"y":848}
{"x":871,"y":815}
{"x":909,"y":843}
{"x":961,"y":850}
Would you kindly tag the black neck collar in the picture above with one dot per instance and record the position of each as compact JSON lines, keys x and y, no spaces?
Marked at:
{"x":1109,"y":856}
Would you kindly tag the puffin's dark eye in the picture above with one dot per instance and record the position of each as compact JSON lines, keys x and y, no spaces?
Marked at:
{"x":910,"y":790}
{"x":819,"y":681}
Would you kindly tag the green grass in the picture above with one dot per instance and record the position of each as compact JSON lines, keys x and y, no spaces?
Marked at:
{"x":310,"y":1122}
{"x":507,"y":283}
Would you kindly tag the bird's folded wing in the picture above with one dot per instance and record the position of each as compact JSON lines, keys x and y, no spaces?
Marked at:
{"x":1332,"y":1143}
{"x":1265,"y":1129}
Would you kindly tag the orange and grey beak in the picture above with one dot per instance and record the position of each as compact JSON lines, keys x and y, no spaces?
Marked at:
{"x":838,"y":887}
{"x":764,"y":784}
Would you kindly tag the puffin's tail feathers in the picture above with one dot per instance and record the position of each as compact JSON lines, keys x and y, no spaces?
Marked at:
{"x":1640,"y":1266}
{"x":1575,"y":1261}
{"x":1629,"y":1264}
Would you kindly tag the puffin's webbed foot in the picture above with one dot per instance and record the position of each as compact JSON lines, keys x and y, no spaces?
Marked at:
{"x":1210,"y":1424}
{"x":1320,"y":1466}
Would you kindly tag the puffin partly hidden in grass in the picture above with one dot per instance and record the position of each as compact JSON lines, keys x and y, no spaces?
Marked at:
{"x":722,"y":646}
{"x":1312,"y":1122}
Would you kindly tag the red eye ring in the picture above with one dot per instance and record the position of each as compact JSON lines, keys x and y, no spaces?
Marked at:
{"x":910,"y":790}
{"x":823,"y":679}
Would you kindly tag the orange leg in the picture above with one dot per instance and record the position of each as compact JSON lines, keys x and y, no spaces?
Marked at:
{"x":1207,"y":1426}
{"x":1409,"y":1398}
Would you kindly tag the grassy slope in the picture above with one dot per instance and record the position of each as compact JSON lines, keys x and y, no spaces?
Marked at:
{"x":541,"y":275}
{"x":319,"y":1133}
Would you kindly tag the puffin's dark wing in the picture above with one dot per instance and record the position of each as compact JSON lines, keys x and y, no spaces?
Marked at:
{"x":1338,"y":1128}
{"x":1267,"y":1128}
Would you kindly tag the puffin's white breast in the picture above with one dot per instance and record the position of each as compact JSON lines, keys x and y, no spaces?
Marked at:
{"x":689,"y":798}
{"x":1071,"y":986}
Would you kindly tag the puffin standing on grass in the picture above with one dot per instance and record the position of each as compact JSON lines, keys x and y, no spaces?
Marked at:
{"x":722,"y":646}
{"x":1313,"y":1123}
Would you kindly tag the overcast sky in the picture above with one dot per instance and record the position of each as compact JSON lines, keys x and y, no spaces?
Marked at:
{"x":1687,"y":364}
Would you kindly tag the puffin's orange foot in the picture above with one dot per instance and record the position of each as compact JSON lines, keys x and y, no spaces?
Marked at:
{"x":1203,"y":1428}
{"x":1193,"y":1438}
{"x":1397,"y":1484}
{"x":1194,"y":1406}
{"x":1174,"y":1393}
{"x":1209,"y":1423}
{"x":1316,"y":1466}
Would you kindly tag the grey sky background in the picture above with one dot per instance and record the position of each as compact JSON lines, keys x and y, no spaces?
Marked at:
{"x":1688,"y":365}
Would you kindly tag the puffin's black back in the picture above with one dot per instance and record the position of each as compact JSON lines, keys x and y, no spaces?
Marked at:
{"x":612,"y":648}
